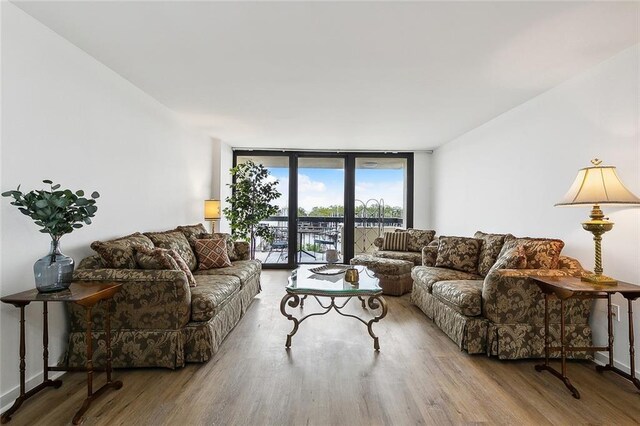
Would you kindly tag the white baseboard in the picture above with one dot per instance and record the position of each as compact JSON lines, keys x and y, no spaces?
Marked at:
{"x":7,"y":399}
{"x":602,"y":358}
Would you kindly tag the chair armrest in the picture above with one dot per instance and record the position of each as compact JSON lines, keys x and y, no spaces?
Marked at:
{"x":241,"y":249}
{"x":509,"y":296}
{"x":148,"y":299}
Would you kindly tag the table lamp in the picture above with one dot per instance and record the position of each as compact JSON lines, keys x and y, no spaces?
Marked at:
{"x":212,"y":212}
{"x":594,"y":186}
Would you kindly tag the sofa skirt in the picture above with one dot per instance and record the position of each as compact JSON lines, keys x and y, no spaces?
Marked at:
{"x":202,"y":339}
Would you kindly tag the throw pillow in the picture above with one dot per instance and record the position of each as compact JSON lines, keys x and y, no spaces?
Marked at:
{"x":459,"y":253}
{"x":119,"y":253}
{"x":192,"y":232}
{"x":155,"y":258}
{"x":514,"y":258}
{"x":490,"y":250}
{"x":182,"y":266}
{"x":542,"y":253}
{"x":418,"y":238}
{"x":395,"y":241}
{"x":175,"y":240}
{"x":212,"y":253}
{"x":231,"y":247}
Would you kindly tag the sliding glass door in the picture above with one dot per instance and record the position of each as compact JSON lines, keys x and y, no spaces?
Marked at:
{"x":333,"y":205}
{"x":381,"y":195}
{"x":320,"y":209}
{"x":276,"y":250}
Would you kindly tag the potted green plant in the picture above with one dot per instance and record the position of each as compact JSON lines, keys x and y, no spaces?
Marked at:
{"x":251,"y":202}
{"x":58,"y":212}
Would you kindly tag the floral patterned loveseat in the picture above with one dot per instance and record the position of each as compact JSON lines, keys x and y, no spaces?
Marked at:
{"x":416,"y":241}
{"x":157,"y":318}
{"x":491,"y":305}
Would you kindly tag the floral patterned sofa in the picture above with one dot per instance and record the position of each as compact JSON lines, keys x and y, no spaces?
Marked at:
{"x":490,"y":305}
{"x":417,"y":239}
{"x":157,"y":318}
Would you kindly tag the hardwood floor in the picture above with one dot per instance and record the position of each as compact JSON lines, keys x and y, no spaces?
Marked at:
{"x":331,"y":375}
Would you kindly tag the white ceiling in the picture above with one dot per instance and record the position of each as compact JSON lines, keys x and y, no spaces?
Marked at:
{"x":357,"y":75}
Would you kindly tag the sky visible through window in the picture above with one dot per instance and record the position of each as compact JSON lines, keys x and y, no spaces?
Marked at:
{"x":325,"y":187}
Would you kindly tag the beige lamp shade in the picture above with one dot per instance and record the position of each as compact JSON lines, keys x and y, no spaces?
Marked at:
{"x":598,"y":185}
{"x":211,"y":209}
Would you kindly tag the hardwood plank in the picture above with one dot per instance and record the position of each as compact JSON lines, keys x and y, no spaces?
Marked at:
{"x":332,"y":376}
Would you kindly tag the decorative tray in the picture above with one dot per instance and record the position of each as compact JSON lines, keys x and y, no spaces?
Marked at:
{"x":329,"y":269}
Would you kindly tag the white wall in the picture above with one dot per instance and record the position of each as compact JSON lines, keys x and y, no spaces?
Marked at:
{"x":506,"y":175}
{"x":68,"y":118}
{"x":422,"y":184}
{"x":222,"y":162}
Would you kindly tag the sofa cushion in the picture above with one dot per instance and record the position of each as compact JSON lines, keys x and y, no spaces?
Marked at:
{"x":514,"y":258}
{"x":426,"y":276}
{"x":410,"y":256}
{"x":490,"y":250}
{"x":119,"y":253}
{"x":155,"y":258}
{"x":459,"y":253}
{"x":211,"y":294}
{"x":418,"y":238}
{"x":395,"y":241}
{"x":192,"y":232}
{"x":464,"y":296}
{"x":175,"y":240}
{"x":542,"y":253}
{"x":212,"y":253}
{"x":243,"y":269}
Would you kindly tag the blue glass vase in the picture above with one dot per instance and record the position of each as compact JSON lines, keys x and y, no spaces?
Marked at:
{"x":54,"y":271}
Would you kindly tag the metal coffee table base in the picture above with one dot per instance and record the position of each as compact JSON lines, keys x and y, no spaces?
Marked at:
{"x":374,"y":302}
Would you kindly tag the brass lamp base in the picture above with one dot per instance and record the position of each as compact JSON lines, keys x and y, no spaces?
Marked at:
{"x":599,"y":279}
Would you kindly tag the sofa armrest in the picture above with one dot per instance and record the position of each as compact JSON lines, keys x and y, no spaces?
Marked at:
{"x":430,"y":253}
{"x":509,"y":296}
{"x":378,"y":242}
{"x":241,"y":249}
{"x":148,"y":299}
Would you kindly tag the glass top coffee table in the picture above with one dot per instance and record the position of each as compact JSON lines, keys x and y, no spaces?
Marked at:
{"x":303,"y":283}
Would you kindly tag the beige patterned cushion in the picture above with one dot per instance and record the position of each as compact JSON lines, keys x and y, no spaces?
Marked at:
{"x":463,"y":296}
{"x":490,"y":250}
{"x":542,"y":253}
{"x":212,"y":253}
{"x":514,"y":258}
{"x":458,"y":253}
{"x":395,"y":241}
{"x":119,"y":253}
{"x":155,"y":258}
{"x":175,"y":240}
{"x":182,"y":265}
{"x":418,"y":238}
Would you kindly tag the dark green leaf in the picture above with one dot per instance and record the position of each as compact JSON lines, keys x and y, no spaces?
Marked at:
{"x":47,"y":181}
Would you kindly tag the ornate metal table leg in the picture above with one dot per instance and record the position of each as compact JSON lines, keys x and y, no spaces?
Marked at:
{"x":376,"y":302}
{"x":363,"y":302}
{"x":292,"y":300}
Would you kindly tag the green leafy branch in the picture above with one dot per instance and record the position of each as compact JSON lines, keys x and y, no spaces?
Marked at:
{"x":57,"y":211}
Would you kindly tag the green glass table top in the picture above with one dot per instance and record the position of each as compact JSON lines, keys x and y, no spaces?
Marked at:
{"x":303,"y":281}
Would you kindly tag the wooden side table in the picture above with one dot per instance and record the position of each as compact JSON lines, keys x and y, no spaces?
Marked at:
{"x":570,"y":287}
{"x":83,"y":294}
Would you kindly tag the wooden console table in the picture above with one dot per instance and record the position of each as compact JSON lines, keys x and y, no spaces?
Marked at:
{"x":569,"y":287}
{"x":85,"y":295}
